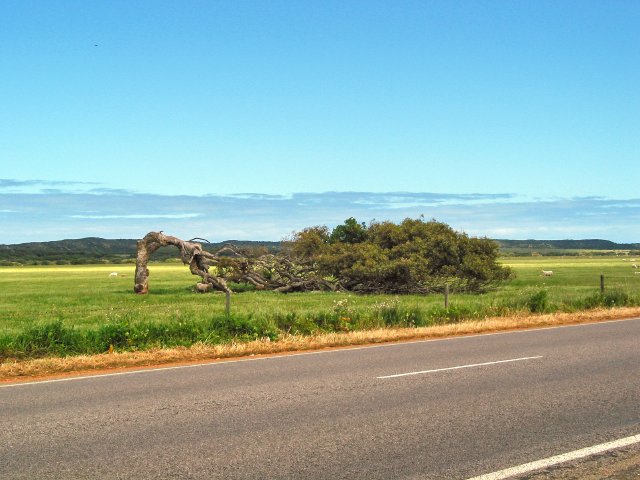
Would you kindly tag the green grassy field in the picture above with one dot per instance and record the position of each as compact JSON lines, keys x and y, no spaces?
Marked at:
{"x":58,"y":310}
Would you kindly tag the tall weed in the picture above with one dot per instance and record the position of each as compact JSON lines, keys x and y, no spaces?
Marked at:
{"x":610,"y":298}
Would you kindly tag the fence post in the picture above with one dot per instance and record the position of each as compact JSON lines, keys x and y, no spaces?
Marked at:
{"x":227,"y":304}
{"x":602,"y":283}
{"x":446,"y":296}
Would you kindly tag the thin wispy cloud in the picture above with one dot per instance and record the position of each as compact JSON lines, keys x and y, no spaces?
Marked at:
{"x":111,"y":191}
{"x":14,"y":184}
{"x":255,"y":196}
{"x":115,"y":213}
{"x":395,"y":200}
{"x":138,"y":216}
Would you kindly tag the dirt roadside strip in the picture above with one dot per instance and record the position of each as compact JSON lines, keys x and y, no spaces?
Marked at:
{"x":622,"y":464}
{"x":16,"y":370}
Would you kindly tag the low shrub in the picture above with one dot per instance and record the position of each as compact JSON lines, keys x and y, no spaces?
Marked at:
{"x":610,"y":298}
{"x":538,"y":302}
{"x":294,"y":323}
{"x":244,"y":328}
{"x":454,"y":314}
{"x":52,"y":338}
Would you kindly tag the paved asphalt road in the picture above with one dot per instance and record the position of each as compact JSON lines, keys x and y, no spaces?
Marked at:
{"x":328,"y":415}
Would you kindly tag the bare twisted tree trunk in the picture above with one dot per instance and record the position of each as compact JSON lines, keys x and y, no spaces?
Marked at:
{"x":191,"y":253}
{"x":267,"y":272}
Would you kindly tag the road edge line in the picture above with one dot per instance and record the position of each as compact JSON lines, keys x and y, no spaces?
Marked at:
{"x":558,"y":459}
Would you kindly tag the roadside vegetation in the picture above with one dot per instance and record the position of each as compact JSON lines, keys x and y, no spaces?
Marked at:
{"x":50,"y":311}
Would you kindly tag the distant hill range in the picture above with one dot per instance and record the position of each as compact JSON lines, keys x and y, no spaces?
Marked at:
{"x":564,"y":247}
{"x":100,"y":250}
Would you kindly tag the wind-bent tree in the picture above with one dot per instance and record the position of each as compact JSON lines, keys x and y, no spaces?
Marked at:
{"x":413,"y":256}
{"x":266,"y":272}
{"x":191,"y":253}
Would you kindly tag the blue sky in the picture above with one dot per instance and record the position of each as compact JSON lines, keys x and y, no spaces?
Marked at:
{"x":251,"y":119}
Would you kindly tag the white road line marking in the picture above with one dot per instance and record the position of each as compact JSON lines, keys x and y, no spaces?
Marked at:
{"x":565,"y":457}
{"x":212,"y":363}
{"x":346,"y":349}
{"x":459,"y":367}
{"x":100,"y":375}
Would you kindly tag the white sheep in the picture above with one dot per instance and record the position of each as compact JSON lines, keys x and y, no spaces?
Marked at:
{"x":113,"y":274}
{"x":547,"y":273}
{"x":634,"y":266}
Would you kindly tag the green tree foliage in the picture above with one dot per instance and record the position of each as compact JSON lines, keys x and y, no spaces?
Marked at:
{"x":349,"y":232}
{"x":411,"y":257}
{"x":308,"y":243}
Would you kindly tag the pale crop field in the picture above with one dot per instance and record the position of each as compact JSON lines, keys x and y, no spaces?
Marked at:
{"x":573,"y":275}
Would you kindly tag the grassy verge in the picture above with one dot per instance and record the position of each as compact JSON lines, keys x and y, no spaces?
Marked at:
{"x":134,"y":331}
{"x":52,"y":366}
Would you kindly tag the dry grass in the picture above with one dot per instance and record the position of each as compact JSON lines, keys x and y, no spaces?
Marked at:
{"x":83,"y":364}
